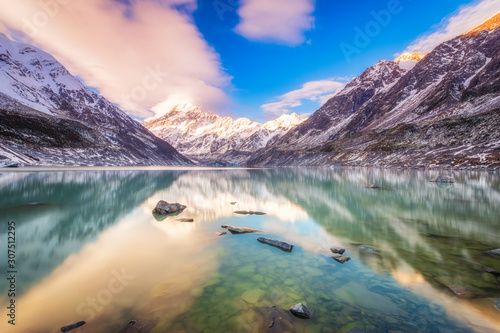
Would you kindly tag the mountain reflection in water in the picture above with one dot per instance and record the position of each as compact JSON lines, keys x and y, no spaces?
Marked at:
{"x":88,"y":248}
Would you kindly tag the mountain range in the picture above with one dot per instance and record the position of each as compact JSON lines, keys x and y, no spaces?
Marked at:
{"x":440,"y":109}
{"x":48,"y":117}
{"x":211,"y":139}
{"x":443,"y":111}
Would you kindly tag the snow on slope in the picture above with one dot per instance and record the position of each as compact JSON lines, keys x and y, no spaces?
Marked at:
{"x":207,"y":137}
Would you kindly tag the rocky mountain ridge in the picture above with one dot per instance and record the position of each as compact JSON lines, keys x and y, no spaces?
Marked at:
{"x":443,"y":112}
{"x":211,"y":139}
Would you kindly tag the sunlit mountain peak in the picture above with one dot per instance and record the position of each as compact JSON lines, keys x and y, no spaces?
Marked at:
{"x":416,"y":56}
{"x":489,"y":25}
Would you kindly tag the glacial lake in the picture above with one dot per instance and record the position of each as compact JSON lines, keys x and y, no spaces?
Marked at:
{"x":88,"y":248}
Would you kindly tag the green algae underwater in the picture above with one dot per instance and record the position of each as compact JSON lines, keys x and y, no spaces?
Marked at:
{"x":90,"y":249}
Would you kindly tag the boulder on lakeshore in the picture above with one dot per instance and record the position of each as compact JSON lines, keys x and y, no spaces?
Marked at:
{"x":301,"y":311}
{"x":442,"y":179}
{"x":72,"y":326}
{"x":276,"y":243}
{"x":164,"y":208}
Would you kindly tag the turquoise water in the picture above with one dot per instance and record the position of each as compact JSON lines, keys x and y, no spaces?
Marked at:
{"x":88,"y":248}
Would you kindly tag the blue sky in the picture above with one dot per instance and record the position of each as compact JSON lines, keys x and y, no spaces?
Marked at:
{"x":243,"y":58}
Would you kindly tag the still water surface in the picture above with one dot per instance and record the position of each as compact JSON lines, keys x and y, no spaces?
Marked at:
{"x":88,"y":248}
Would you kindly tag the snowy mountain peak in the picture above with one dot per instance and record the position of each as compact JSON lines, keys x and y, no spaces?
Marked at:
{"x":209,"y":138}
{"x":285,"y":121}
{"x":490,"y":24}
{"x":416,"y":56}
{"x":409,"y":60}
{"x":185,"y":107}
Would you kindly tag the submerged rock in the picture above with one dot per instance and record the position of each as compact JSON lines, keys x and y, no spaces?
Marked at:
{"x":276,"y":320}
{"x":341,"y":259}
{"x":185,"y":219}
{"x":301,"y":311}
{"x":220,"y":233}
{"x":492,"y":271}
{"x":368,"y":249}
{"x":336,"y":250}
{"x":376,"y":187}
{"x":72,"y":326}
{"x":239,"y":230}
{"x":495,"y":252}
{"x":137,"y":326}
{"x":460,"y":290}
{"x":276,"y":243}
{"x":233,"y":203}
{"x":164,"y":208}
{"x":244,"y":212}
{"x":442,"y":179}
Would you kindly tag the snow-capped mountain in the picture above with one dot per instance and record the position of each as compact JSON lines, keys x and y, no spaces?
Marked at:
{"x":48,"y":117}
{"x":208,"y":138}
{"x":443,"y":111}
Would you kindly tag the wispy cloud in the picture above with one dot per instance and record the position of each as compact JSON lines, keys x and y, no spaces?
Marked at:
{"x":275,"y":21}
{"x":138,"y":54}
{"x":463,"y":20}
{"x":316,"y":91}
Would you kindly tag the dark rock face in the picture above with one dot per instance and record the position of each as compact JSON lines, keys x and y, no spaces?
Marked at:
{"x":164,"y":208}
{"x":341,"y":259}
{"x":442,"y":179}
{"x":276,"y":243}
{"x":72,"y":326}
{"x":442,"y":112}
{"x":301,"y":311}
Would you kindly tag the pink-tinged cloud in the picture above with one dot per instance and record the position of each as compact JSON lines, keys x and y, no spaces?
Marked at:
{"x":316,"y":91}
{"x":137,"y":56}
{"x":275,"y":21}
{"x":463,"y":20}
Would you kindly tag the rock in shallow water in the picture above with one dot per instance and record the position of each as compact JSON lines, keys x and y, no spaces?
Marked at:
{"x":337,"y":250}
{"x":495,"y":252}
{"x":244,"y":212}
{"x":276,"y":320}
{"x":185,"y":219}
{"x":72,"y":326}
{"x":341,"y":259}
{"x":164,"y":208}
{"x":276,"y":243}
{"x":238,"y":230}
{"x":221,"y":233}
{"x":300,"y":310}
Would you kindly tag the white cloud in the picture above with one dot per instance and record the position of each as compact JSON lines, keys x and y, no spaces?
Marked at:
{"x":463,"y":20}
{"x":137,"y":55}
{"x":275,"y":21}
{"x":316,"y":91}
